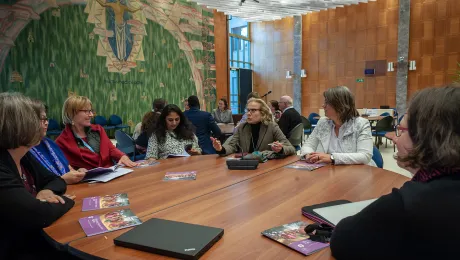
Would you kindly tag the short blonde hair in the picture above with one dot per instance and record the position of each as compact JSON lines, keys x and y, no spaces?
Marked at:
{"x":265,"y":111}
{"x":19,"y":123}
{"x":72,"y":106}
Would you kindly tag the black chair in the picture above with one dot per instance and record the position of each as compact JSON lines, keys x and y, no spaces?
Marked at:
{"x":307,"y":127}
{"x":381,"y":128}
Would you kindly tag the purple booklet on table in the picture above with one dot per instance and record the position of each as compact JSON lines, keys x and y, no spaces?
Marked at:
{"x":94,"y":225}
{"x":293,"y":235}
{"x":107,"y":201}
{"x":177,"y":176}
{"x":303,"y":165}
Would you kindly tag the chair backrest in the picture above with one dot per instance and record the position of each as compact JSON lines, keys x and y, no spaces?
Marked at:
{"x":125,"y":143}
{"x":385,"y":114}
{"x":377,"y":157}
{"x":53,"y":124}
{"x":115,"y":120}
{"x":385,"y":124}
{"x":236,"y":118}
{"x":100,"y":120}
{"x":306,"y":123}
{"x":296,"y":135}
{"x":312,"y":119}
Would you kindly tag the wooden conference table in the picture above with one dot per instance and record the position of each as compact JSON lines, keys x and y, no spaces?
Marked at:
{"x":247,"y":208}
{"x":148,"y":193}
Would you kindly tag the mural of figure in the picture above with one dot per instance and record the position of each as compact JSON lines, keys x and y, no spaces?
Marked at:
{"x":123,"y":44}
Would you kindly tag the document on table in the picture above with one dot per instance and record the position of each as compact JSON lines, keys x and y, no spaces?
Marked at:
{"x":334,"y":214}
{"x":106,"y":177}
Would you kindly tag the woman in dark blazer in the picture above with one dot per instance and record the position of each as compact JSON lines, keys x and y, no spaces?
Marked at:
{"x":31,"y":197}
{"x":421,"y":219}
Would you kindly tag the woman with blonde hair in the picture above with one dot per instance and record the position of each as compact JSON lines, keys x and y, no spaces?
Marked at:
{"x":86,"y":145}
{"x":258,"y":133}
{"x":49,"y":154}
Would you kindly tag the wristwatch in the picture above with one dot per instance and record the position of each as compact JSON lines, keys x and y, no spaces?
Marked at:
{"x":332,"y":159}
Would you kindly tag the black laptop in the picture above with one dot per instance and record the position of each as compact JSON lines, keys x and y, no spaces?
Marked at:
{"x":171,"y":238}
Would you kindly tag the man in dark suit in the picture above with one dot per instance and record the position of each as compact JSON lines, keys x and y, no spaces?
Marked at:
{"x":290,"y":117}
{"x":204,"y":124}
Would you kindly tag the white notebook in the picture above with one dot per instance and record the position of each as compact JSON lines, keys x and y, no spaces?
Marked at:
{"x":334,"y":214}
{"x":106,"y":177}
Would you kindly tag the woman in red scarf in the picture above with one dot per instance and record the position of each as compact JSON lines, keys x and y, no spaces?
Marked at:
{"x":419,"y":220}
{"x":85,"y":145}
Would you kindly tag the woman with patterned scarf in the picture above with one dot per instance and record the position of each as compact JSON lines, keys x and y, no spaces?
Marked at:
{"x":420,"y":220}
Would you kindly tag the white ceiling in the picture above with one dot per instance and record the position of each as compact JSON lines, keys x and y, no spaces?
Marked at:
{"x":265,"y":10}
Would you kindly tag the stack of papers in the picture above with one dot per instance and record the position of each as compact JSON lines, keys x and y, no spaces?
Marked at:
{"x":104,"y":174}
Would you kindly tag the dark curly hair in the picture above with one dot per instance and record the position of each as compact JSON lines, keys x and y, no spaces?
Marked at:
{"x":184,"y":131}
{"x":149,"y":122}
{"x":434,"y":129}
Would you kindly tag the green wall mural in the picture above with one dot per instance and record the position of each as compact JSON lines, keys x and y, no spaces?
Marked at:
{"x":121,"y":62}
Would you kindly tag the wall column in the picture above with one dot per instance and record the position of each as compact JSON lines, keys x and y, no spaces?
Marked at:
{"x":403,"y":56}
{"x":297,"y":82}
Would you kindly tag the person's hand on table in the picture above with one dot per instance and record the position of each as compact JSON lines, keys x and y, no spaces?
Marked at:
{"x":72,"y":197}
{"x":127,"y":162}
{"x":73,"y":176}
{"x":277,"y":147}
{"x":193,"y":152}
{"x":216,"y":144}
{"x":49,"y":196}
{"x":318,"y":158}
{"x":80,"y":170}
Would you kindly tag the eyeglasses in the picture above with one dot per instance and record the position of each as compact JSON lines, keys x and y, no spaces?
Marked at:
{"x":44,"y":119}
{"x":253,"y":110}
{"x":88,"y":111}
{"x":399,"y":130}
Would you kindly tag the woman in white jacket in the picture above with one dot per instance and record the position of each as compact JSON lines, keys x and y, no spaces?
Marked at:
{"x":342,"y":138}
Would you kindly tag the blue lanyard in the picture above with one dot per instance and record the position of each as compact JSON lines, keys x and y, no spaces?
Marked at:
{"x":85,"y":143}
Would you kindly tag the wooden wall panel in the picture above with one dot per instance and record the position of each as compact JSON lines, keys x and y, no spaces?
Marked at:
{"x":221,"y":49}
{"x":434,"y":43}
{"x":273,"y":54}
{"x":337,"y":43}
{"x":354,"y":34}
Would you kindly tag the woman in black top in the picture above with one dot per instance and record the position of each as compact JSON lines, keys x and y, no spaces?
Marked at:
{"x":31,"y":197}
{"x":149,"y":122}
{"x":421,"y":219}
